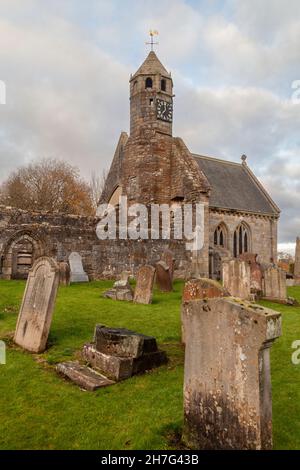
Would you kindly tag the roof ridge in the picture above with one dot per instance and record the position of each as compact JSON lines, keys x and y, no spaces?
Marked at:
{"x":215,"y":159}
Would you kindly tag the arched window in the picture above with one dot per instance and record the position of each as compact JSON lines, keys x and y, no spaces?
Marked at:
{"x":220,"y":236}
{"x":241,"y":240}
{"x":149,"y":83}
{"x":163,"y":85}
{"x":134,"y":86}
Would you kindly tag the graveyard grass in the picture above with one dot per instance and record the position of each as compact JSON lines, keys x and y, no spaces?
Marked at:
{"x":40,"y":410}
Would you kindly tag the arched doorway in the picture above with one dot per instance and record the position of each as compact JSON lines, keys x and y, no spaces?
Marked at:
{"x":19,"y":256}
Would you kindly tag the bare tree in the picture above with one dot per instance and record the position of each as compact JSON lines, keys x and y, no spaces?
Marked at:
{"x":97,"y":184}
{"x":48,"y":185}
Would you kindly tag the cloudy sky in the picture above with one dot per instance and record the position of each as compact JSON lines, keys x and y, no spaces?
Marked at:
{"x":66,"y":66}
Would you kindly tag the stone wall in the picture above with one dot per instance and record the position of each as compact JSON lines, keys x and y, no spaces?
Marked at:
{"x":59,"y":235}
{"x":262,"y":230}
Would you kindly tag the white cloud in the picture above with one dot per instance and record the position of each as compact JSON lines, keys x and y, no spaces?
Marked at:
{"x":67,"y":66}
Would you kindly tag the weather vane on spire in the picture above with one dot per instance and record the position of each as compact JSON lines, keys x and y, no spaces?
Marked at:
{"x":152,"y":43}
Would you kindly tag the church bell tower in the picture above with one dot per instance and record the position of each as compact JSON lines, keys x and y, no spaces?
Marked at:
{"x":151,"y":98}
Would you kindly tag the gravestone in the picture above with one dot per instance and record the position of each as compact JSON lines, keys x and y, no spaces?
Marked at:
{"x":38,"y":304}
{"x":163,"y":277}
{"x":168,"y":258}
{"x":64,"y":273}
{"x":2,"y":352}
{"x":237,"y":278}
{"x":77,"y":272}
{"x":116,"y":354}
{"x":120,"y":353}
{"x":196,"y":289}
{"x":144,"y":285}
{"x":121,"y":289}
{"x":227,"y":384}
{"x":255,"y":272}
{"x":274,"y":284}
{"x":297,"y":263}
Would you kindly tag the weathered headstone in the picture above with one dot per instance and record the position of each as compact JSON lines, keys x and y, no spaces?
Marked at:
{"x":64,"y":273}
{"x":121,"y":290}
{"x":196,"y":289}
{"x":274,"y":284}
{"x":227,"y":386}
{"x":237,"y":278}
{"x":297,"y":263}
{"x":163,"y":277}
{"x":38,"y":304}
{"x":77,"y":272}
{"x":125,"y":276}
{"x":255,"y":272}
{"x":168,"y":258}
{"x":144,"y":285}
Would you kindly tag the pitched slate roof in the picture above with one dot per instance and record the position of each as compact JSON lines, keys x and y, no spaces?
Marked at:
{"x":234,"y":186}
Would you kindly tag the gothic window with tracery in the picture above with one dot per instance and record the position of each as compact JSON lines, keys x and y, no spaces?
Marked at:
{"x":241,"y":240}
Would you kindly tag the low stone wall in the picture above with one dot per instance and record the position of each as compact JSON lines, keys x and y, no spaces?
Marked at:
{"x":25,"y":236}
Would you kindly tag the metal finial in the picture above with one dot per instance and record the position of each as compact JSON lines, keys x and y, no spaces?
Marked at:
{"x":244,"y":158}
{"x":152,"y":33}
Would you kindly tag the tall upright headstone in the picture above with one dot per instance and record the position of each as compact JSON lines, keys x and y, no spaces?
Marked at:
{"x":144,"y":285}
{"x":36,"y":311}
{"x":64,"y":273}
{"x":227,"y":385}
{"x":163,"y":277}
{"x":237,"y":278}
{"x":196,"y":289}
{"x":77,"y":272}
{"x":297,"y":263}
{"x":274,"y":284}
{"x":168,"y":258}
{"x":255,"y":272}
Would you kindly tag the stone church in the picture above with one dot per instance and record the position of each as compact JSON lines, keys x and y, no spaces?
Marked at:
{"x":152,"y":166}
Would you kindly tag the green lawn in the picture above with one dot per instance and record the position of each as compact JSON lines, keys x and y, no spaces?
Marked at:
{"x":39,"y":410}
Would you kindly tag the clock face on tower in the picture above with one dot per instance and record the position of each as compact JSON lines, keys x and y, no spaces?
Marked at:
{"x":164,"y":110}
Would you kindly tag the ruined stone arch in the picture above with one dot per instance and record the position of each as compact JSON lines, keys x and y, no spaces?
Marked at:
{"x":19,"y":254}
{"x":115,"y":195}
{"x":241,"y":240}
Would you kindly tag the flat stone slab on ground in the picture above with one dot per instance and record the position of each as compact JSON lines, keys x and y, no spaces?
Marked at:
{"x":83,"y":376}
{"x":122,"y":342}
{"x":115,"y":367}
